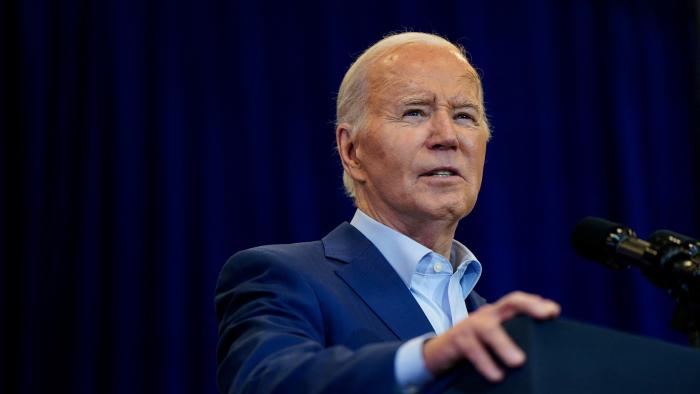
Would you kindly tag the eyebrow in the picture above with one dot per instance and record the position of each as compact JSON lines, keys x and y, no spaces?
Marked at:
{"x":418,"y":99}
{"x":465,"y":104}
{"x":427,"y":99}
{"x":470,"y":75}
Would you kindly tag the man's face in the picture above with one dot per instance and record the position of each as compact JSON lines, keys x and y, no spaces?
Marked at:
{"x":422,"y":149}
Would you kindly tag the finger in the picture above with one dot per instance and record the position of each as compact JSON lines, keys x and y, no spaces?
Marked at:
{"x":479,"y":357}
{"x":440,"y":353}
{"x":504,"y":347}
{"x":529,"y":304}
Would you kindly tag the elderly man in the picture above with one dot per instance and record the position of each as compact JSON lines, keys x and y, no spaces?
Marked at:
{"x":384,"y":303}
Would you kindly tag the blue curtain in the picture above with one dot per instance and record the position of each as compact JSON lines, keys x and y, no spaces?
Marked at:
{"x":145,"y":142}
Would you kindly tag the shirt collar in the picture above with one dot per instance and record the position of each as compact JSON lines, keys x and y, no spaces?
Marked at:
{"x":402,"y":252}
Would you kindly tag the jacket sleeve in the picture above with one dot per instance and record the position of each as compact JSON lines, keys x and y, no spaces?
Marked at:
{"x":271,"y":335}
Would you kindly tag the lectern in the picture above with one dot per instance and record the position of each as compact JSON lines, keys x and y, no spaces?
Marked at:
{"x":571,"y":358}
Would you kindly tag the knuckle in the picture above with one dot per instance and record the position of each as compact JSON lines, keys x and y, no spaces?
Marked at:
{"x":471,"y":348}
{"x":464,"y":343}
{"x":466,"y":332}
{"x":522,"y":298}
{"x":493,"y":334}
{"x":490,"y":324}
{"x":489,"y":319}
{"x":484,"y":310}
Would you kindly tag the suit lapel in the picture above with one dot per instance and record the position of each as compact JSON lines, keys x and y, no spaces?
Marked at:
{"x":474,"y":301}
{"x":374,"y":280}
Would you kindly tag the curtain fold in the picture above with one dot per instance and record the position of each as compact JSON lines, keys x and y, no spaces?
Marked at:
{"x":143,"y":143}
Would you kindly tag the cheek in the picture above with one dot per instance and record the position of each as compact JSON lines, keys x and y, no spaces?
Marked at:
{"x":480,"y":156}
{"x":475,"y":149}
{"x":372,"y":157}
{"x":474,"y":139}
{"x":385,"y":153}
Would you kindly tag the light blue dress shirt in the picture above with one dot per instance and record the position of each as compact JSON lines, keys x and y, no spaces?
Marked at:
{"x":439,"y":288}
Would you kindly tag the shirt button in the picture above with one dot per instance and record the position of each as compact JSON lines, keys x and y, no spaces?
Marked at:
{"x":437,"y":267}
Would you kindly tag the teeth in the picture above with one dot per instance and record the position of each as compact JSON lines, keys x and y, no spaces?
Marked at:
{"x":442,"y":173}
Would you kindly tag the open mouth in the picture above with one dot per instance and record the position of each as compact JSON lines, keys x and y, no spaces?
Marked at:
{"x":441,"y":172}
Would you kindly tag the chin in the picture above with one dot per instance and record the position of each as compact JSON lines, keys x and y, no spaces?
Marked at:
{"x":431,"y":205}
{"x":453,"y":211}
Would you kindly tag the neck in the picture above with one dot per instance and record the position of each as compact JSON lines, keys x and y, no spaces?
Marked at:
{"x":436,"y":235}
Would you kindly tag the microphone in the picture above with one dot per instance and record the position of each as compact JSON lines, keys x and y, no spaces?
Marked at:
{"x":669,"y":260}
{"x":666,"y":258}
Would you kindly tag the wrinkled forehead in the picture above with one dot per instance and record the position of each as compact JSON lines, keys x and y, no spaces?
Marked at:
{"x":415,"y":51}
{"x":404,"y":68}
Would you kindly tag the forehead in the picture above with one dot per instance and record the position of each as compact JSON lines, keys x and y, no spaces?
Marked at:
{"x":421,"y":68}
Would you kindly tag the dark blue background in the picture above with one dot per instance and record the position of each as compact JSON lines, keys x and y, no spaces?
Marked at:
{"x":145,"y":142}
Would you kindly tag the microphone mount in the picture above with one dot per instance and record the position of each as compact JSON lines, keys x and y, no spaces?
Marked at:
{"x":668,"y":259}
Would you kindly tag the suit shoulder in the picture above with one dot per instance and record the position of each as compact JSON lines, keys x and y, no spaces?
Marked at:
{"x":279,"y":252}
{"x":282,"y":256}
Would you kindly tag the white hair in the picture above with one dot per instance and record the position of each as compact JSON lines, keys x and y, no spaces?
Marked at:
{"x":351,"y":103}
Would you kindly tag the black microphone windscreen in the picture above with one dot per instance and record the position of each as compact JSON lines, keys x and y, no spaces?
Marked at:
{"x":590,"y":238}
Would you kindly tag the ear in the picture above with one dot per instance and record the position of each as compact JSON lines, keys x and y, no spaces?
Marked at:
{"x":347,"y":149}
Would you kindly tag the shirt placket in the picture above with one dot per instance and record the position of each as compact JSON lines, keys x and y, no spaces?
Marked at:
{"x":458,"y":308}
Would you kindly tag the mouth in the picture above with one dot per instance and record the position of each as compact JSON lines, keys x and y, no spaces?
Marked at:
{"x":442,"y":172}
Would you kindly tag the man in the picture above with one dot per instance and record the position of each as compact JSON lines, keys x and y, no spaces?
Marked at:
{"x":384,"y":303}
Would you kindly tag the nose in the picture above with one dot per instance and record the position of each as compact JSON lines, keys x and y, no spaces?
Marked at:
{"x":443,"y":135}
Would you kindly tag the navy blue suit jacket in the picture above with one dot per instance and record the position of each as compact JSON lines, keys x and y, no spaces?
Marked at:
{"x":323,"y":316}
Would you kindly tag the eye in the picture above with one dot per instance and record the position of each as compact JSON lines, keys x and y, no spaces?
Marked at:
{"x":465,"y":117}
{"x":414,"y":113}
